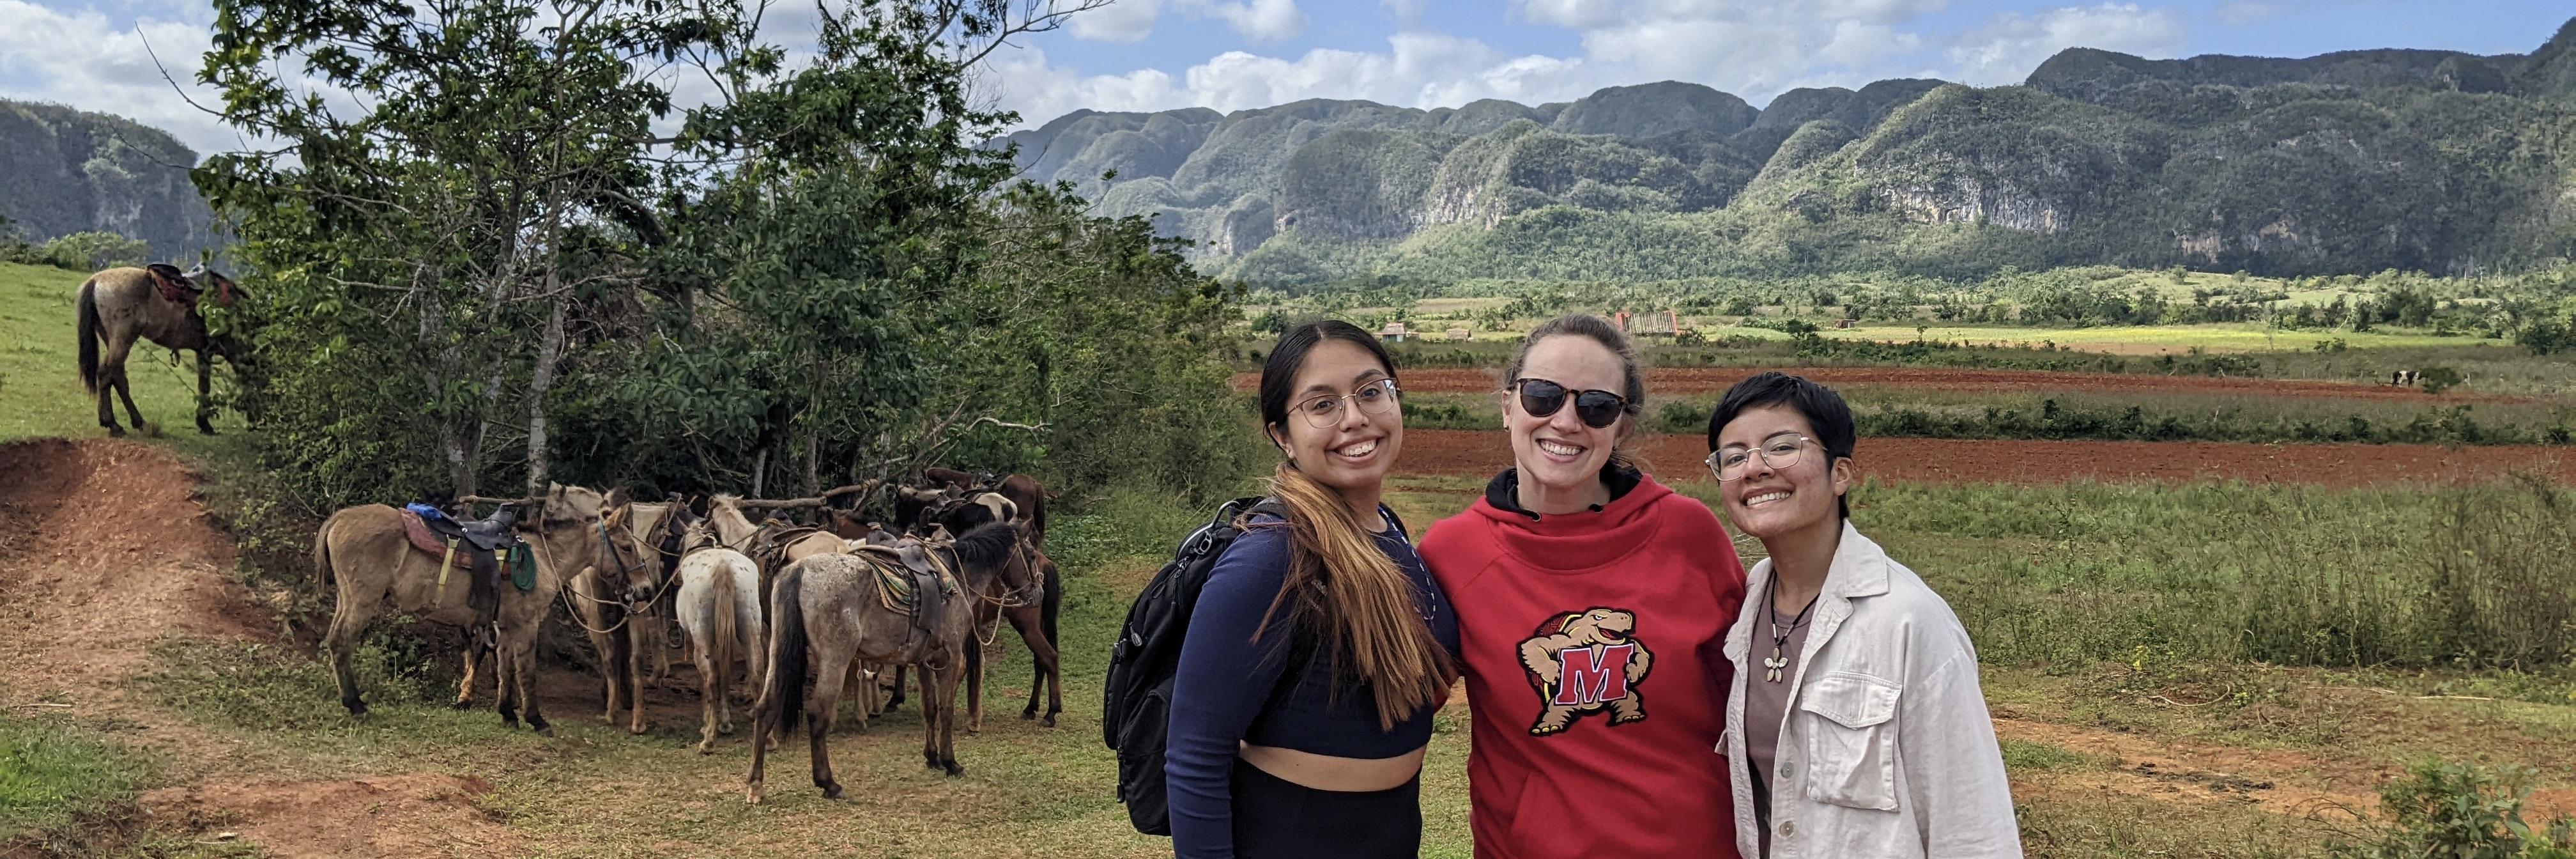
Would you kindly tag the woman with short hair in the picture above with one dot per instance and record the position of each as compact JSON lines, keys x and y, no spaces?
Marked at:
{"x":1855,"y":726}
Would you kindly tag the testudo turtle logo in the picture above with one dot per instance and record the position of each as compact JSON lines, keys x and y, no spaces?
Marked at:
{"x":1586,"y":662}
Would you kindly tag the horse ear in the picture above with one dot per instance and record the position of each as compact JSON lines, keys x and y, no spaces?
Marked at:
{"x":615,"y":498}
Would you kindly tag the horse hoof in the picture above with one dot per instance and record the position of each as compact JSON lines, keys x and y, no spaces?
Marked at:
{"x":751,"y":794}
{"x":708,"y":748}
{"x":955,"y":771}
{"x":545,"y":730}
{"x":115,"y":432}
{"x":462,"y":704}
{"x":832,"y":791}
{"x":1050,"y":720}
{"x":1028,"y":715}
{"x":637,"y":729}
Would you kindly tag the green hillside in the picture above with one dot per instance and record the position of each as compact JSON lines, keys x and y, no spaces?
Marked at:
{"x":66,"y":171}
{"x":2350,"y":162}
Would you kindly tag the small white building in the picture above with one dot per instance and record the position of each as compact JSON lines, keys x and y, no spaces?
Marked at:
{"x":1394,"y":332}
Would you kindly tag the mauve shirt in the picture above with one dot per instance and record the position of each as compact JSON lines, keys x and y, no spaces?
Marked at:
{"x":1766,"y":702}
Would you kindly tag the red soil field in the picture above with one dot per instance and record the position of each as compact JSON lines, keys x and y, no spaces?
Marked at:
{"x":1685,"y":381}
{"x":1451,"y":452}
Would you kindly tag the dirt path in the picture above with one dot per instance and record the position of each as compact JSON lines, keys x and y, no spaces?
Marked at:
{"x":1475,"y":452}
{"x":2277,"y":781}
{"x":83,"y":599}
{"x":1670,"y":382}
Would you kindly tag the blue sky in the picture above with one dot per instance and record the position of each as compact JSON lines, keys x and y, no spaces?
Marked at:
{"x":1235,"y":54}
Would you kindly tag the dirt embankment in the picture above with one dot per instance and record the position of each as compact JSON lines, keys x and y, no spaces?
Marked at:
{"x":1677,"y":457}
{"x":105,"y":551}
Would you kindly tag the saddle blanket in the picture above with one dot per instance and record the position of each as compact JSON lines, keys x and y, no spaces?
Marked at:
{"x":421,"y":537}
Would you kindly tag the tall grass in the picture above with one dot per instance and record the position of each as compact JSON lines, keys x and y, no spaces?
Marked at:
{"x":54,"y":779}
{"x":2480,"y":576}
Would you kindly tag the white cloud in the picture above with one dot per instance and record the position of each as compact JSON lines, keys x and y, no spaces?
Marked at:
{"x":1417,"y":69}
{"x":1407,"y":12}
{"x":80,"y":59}
{"x":2009,"y":45}
{"x":1120,"y":21}
{"x":1260,"y":20}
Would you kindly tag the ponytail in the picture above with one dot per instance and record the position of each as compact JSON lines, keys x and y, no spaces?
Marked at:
{"x":1344,"y":589}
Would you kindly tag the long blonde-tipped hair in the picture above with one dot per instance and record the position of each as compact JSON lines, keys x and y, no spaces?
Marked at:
{"x":1340,"y":586}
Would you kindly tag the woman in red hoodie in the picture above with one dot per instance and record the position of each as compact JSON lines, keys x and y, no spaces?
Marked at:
{"x":1592,"y":605}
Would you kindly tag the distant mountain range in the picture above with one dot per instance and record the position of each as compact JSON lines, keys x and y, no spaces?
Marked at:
{"x":68,"y":171}
{"x":2346,"y":162}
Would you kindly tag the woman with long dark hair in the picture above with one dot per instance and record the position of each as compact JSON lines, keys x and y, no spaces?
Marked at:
{"x":1592,"y":602}
{"x":1320,"y":647}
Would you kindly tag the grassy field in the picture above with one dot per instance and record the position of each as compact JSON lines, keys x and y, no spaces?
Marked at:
{"x":2148,"y":339}
{"x":2137,"y":722}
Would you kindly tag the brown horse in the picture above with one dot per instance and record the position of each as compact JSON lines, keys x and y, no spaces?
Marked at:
{"x":364,"y":553}
{"x":648,"y":521}
{"x":1034,"y":619}
{"x":831,"y":606}
{"x":615,"y":602}
{"x":122,"y":305}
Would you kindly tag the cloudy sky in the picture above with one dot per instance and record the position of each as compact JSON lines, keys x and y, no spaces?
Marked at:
{"x":1232,"y":54}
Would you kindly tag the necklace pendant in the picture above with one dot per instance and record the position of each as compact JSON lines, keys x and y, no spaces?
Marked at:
{"x":1775,"y":663}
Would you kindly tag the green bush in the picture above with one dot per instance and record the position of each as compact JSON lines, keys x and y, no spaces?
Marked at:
{"x":2461,"y":811}
{"x":2439,"y":379}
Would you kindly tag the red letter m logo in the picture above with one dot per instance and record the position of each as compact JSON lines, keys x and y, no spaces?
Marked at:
{"x":1591,"y":675}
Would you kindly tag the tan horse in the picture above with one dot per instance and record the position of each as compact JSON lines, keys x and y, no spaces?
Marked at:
{"x":617,"y":604}
{"x":830,"y":606}
{"x":363,"y":551}
{"x":122,"y":305}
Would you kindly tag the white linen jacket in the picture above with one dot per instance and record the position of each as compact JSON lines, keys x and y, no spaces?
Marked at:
{"x":1885,"y":749}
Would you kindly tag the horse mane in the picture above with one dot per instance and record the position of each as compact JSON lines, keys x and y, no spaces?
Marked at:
{"x":988,"y":545}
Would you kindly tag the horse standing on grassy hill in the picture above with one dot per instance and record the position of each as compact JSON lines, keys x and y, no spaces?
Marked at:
{"x":159,"y":303}
{"x":838,"y":609}
{"x":364,"y":552}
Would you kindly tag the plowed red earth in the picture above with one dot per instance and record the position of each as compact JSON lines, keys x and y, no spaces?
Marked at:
{"x":1450,"y":452}
{"x":1687,"y":381}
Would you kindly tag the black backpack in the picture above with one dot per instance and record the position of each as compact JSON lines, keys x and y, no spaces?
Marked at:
{"x":1137,"y":704}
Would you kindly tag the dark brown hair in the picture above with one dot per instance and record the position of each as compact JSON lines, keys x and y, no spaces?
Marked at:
{"x":1340,"y":585}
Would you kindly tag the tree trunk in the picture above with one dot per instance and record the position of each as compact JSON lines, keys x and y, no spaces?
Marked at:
{"x":541,"y":381}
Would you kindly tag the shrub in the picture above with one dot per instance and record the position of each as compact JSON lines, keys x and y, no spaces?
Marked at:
{"x":2439,"y":379}
{"x":2462,"y":811}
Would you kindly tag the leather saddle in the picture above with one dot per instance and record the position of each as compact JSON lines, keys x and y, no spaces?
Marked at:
{"x":174,"y":284}
{"x":476,"y":546}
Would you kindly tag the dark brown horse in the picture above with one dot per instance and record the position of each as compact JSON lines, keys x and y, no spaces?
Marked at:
{"x":121,"y":305}
{"x":1035,"y":619}
{"x":833,"y":608}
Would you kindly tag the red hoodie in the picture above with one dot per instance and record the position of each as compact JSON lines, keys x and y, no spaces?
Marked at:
{"x":1596,"y":672}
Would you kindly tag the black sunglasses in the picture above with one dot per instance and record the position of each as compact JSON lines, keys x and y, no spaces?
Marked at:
{"x":1541,"y":398}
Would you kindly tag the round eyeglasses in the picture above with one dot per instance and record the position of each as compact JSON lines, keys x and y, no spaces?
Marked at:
{"x":1324,"y":411}
{"x":1780,"y":451}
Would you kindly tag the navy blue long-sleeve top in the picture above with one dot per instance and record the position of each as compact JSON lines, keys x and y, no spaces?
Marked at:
{"x":1228,"y":689}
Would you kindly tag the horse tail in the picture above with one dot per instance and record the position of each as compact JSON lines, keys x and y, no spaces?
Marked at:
{"x":1051,"y":603}
{"x":785,"y":686}
{"x":89,"y":335}
{"x":723,"y":646}
{"x":321,"y":537}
